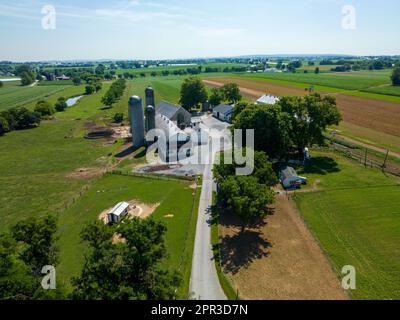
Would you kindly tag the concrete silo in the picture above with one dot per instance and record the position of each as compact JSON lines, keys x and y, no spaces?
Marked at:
{"x":150,"y":101}
{"x":136,"y":118}
{"x":150,"y":118}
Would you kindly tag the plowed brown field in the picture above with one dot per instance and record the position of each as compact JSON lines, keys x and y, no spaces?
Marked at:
{"x":378,"y":115}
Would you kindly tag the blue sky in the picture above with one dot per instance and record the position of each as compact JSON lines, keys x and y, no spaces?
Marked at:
{"x":164,"y":29}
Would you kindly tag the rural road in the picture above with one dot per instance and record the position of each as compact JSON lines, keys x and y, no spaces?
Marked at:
{"x":204,"y":283}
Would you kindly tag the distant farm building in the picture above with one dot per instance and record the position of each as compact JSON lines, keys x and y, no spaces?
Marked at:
{"x":175,"y":113}
{"x":290,"y":179}
{"x":272,"y":70}
{"x":63,"y":78}
{"x":268,"y":99}
{"x":117,"y":213}
{"x":223,"y":112}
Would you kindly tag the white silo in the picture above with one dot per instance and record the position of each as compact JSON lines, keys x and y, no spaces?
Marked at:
{"x":136,"y":117}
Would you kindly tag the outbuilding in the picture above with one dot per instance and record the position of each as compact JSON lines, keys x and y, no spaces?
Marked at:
{"x":223,"y":112}
{"x":290,"y":179}
{"x":268,"y":99}
{"x":117,"y":213}
{"x":175,"y":113}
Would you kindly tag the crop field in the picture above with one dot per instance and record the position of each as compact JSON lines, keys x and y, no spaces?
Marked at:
{"x":348,"y":81}
{"x":12,"y":96}
{"x":354,"y":213}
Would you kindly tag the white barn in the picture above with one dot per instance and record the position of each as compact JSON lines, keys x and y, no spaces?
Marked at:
{"x":117,"y":213}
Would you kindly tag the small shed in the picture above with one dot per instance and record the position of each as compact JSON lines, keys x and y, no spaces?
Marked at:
{"x":223,"y":112}
{"x":268,"y":99}
{"x":290,"y":179}
{"x":117,"y":213}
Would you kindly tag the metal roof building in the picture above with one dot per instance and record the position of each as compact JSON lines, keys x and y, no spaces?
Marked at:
{"x":175,"y":113}
{"x":223,"y":112}
{"x":268,"y":99}
{"x":118,"y":212}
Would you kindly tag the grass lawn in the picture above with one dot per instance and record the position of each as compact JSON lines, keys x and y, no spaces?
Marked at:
{"x":175,"y":197}
{"x":355,"y":215}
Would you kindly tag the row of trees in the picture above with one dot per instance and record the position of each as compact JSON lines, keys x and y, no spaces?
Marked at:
{"x":114,"y":93}
{"x":112,"y":271}
{"x":194,"y":92}
{"x":292,"y":124}
{"x":247,"y":197}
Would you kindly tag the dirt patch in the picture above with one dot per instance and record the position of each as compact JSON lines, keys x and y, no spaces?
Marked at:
{"x":378,"y":115}
{"x":121,"y":132}
{"x":86,"y":173}
{"x":279,"y":259}
{"x":137,"y":210}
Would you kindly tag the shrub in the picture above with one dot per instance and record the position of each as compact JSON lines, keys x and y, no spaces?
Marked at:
{"x":118,"y":117}
{"x":44,"y":108}
{"x":61,"y":104}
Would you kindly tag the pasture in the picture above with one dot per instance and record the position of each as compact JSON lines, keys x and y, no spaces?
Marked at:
{"x":354,"y":214}
{"x":15,"y":95}
{"x":175,"y":197}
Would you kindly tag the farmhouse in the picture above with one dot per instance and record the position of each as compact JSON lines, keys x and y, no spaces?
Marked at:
{"x":290,"y":179}
{"x":174,"y":113}
{"x":118,"y":212}
{"x":223,"y":112}
{"x":268,"y":99}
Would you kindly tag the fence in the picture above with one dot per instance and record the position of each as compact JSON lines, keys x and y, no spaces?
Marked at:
{"x":369,"y":158}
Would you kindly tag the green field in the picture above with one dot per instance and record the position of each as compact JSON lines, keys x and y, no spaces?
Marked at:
{"x":355,"y":215}
{"x":13,"y":95}
{"x":175,"y":197}
{"x":348,"y":81}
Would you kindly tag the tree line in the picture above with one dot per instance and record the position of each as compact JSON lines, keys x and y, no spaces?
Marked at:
{"x":125,"y":270}
{"x":114,"y":93}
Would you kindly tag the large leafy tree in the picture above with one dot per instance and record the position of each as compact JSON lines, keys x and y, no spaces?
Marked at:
{"x":231,"y":92}
{"x":271,"y":126}
{"x":245,"y":197}
{"x":216,"y":97}
{"x":193,"y":93}
{"x":38,"y":238}
{"x":129,"y":269}
{"x":396,"y":77}
{"x":309,"y":117}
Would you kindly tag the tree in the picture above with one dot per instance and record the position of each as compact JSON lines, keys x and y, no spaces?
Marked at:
{"x":24,"y":119}
{"x":1,"y":84}
{"x":263,"y":171}
{"x":193,"y":93}
{"x":98,"y":86}
{"x":4,"y":127}
{"x":309,"y":117}
{"x":231,"y":92}
{"x":27,"y":78}
{"x":90,"y":89}
{"x":77,"y":81}
{"x":44,"y":108}
{"x":61,"y":104}
{"x":396,"y":77}
{"x":271,"y":128}
{"x":129,"y":270}
{"x":245,"y":197}
{"x":100,"y":69}
{"x":216,"y":97}
{"x":118,"y":117}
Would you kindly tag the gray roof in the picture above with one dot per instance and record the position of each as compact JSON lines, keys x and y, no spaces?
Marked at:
{"x":224,"y":108}
{"x":288,"y":172}
{"x":168,"y":109}
{"x":268,"y":99}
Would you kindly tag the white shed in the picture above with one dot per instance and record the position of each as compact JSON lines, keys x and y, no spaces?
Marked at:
{"x":118,"y":212}
{"x":290,"y":179}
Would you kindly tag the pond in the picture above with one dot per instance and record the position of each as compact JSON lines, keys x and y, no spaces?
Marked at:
{"x":72,"y":101}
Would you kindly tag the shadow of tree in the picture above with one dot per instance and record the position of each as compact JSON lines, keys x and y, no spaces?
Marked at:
{"x":241,"y":249}
{"x":320,"y":165}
